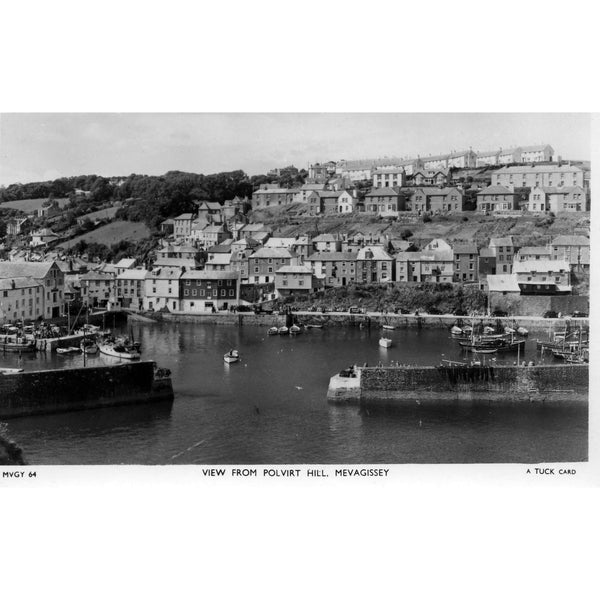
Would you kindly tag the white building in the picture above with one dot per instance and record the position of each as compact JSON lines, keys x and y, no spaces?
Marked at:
{"x":162,"y":289}
{"x":20,"y":298}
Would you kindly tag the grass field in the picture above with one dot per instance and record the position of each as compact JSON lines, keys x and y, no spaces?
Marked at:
{"x":31,"y":205}
{"x":112,"y":233}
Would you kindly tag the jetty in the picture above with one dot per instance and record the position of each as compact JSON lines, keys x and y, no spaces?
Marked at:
{"x":68,"y":389}
{"x":451,"y":384}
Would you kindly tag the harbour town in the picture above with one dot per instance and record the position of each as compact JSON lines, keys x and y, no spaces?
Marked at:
{"x":435,"y":294}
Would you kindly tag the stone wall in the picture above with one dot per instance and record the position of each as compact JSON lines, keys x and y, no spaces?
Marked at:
{"x":504,"y":384}
{"x":534,"y":306}
{"x":37,"y":392}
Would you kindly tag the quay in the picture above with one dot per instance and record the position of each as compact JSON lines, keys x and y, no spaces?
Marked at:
{"x":460,"y":384}
{"x":61,"y":390}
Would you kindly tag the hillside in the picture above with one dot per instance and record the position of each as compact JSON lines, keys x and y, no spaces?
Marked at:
{"x":526,"y":229}
{"x":30,"y":205}
{"x":112,"y":233}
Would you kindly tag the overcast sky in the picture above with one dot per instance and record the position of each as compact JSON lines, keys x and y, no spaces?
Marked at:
{"x":36,"y":147}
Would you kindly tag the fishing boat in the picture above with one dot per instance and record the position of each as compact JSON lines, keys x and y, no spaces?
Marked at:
{"x":9,"y":371}
{"x":119,"y":350}
{"x":385,"y":342}
{"x":14,"y":346}
{"x":295,"y":330}
{"x":283,"y":330}
{"x":272,"y":331}
{"x":68,"y":350}
{"x":88,"y":347}
{"x":231,"y":356}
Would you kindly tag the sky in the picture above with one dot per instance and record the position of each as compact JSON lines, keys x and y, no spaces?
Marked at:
{"x":39,"y":147}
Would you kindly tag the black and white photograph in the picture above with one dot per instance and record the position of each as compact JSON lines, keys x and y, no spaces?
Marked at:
{"x":297,"y":300}
{"x":295,"y":288}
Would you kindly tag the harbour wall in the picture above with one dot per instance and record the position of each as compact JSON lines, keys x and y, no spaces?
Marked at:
{"x":462,"y":384}
{"x":60,"y":390}
{"x":373,"y":320}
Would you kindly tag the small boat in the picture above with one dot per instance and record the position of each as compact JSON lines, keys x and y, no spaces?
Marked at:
{"x":283,"y":330}
{"x":295,"y":330}
{"x":509,"y":330}
{"x":455,"y":330}
{"x":485,"y":350}
{"x":119,"y":351}
{"x":88,"y":347}
{"x":68,"y":350}
{"x":231,"y":356}
{"x":17,"y":346}
{"x":313,"y":326}
{"x":522,"y":331}
{"x":392,"y":327}
{"x":385,"y":342}
{"x":272,"y":331}
{"x":9,"y":371}
{"x":488,"y":330}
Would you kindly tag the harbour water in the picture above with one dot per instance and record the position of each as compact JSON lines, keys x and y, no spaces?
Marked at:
{"x":271,"y":407}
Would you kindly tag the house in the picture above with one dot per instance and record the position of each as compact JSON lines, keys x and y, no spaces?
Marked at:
{"x":558,"y":199}
{"x":220,"y":262}
{"x":208,"y":291}
{"x":314,"y":203}
{"x":176,"y":251}
{"x":185,"y":264}
{"x":504,"y":251}
{"x":503,"y":290}
{"x":487,"y":158}
{"x":533,"y":253}
{"x":533,"y":154}
{"x":334,"y":269}
{"x":462,"y":159}
{"x":48,"y":275}
{"x":374,"y":265}
{"x":306,"y":189}
{"x":486,"y":266}
{"x":327,"y":242}
{"x":256,"y":231}
{"x":531,"y":176}
{"x":271,"y":197}
{"x":496,"y":198}
{"x":209,"y":235}
{"x":20,"y":298}
{"x":329,"y":199}
{"x":182,"y":228}
{"x":447,"y":199}
{"x":466,"y":263}
{"x":439,"y":245}
{"x":209,"y":213}
{"x":263,"y":264}
{"x":346,"y":203}
{"x":437,"y":177}
{"x":168,"y":226}
{"x":124,"y":264}
{"x":575,"y":249}
{"x":302,"y":247}
{"x":388,"y":177}
{"x":280,"y":242}
{"x":41,"y":237}
{"x":162,"y":289}
{"x":507,"y":156}
{"x":543,"y":277}
{"x":15,"y":225}
{"x":419,"y":201}
{"x":130,"y":288}
{"x":435,"y":266}
{"x":295,"y":279}
{"x":98,"y":289}
{"x":386,"y":201}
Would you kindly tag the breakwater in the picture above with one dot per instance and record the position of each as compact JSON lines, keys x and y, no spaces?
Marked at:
{"x":447,"y":385}
{"x":59,"y":390}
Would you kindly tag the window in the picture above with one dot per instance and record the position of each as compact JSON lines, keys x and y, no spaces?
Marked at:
{"x":188,"y":282}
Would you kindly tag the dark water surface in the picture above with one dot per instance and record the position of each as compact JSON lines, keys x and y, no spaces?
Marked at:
{"x":271,"y":407}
